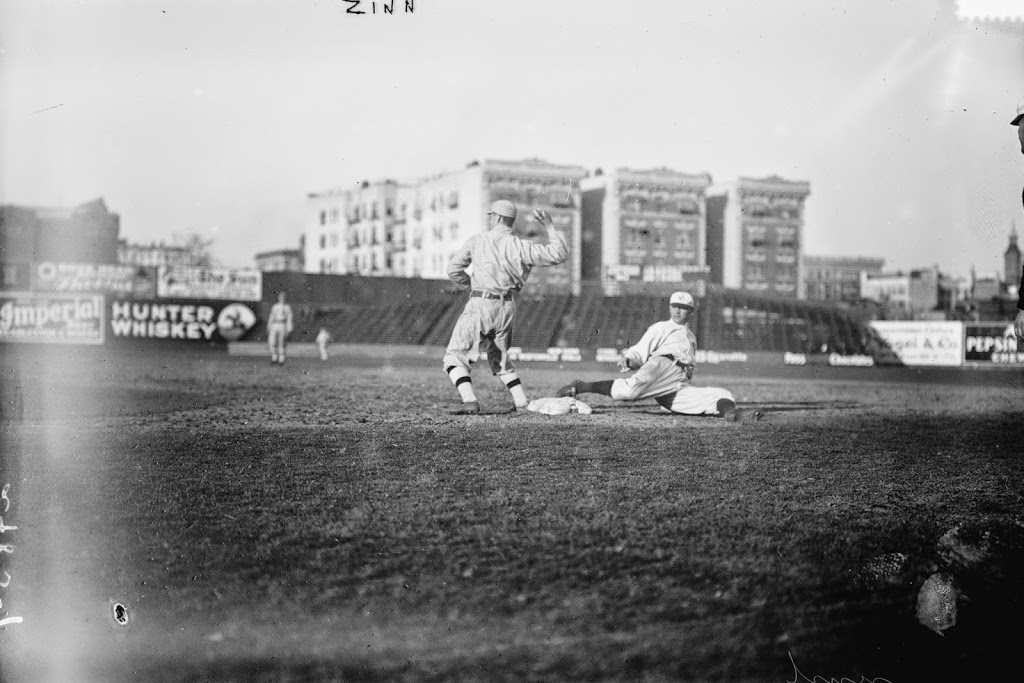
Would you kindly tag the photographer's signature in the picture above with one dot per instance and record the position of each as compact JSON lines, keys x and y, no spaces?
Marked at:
{"x":799,"y":676}
{"x":370,"y":6}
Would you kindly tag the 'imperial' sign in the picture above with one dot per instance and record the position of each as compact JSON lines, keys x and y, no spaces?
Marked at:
{"x":51,"y":318}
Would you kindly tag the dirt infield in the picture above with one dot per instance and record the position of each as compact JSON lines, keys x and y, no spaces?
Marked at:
{"x":331,"y":521}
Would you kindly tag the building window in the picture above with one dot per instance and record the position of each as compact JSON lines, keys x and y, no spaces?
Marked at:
{"x":323,"y":218}
{"x":323,"y":241}
{"x":753,"y":272}
{"x":334,"y":215}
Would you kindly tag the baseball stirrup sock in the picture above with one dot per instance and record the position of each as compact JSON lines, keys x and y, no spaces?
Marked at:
{"x":460,"y":378}
{"x":602,"y":387}
{"x":515,"y":387}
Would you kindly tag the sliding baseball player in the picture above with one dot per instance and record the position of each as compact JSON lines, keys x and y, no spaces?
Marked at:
{"x":664,"y":360}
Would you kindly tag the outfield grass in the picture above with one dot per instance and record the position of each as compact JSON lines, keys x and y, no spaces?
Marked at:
{"x":331,"y":521}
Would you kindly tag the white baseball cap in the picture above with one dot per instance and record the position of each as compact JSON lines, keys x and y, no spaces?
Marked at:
{"x":1020,"y":113}
{"x":503,"y":207}
{"x":681,"y":299}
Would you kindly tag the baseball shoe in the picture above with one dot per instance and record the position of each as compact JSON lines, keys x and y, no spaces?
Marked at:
{"x":468,"y":408}
{"x":569,"y":390}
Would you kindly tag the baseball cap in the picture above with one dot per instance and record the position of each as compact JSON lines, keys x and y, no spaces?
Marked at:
{"x":503,"y":207}
{"x":1020,"y":113}
{"x":681,"y":299}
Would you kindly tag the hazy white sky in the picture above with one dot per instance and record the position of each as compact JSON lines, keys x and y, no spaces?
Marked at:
{"x":219,"y":116}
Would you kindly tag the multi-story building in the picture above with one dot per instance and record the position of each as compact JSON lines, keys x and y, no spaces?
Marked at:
{"x":436,"y":216}
{"x":643,"y":227}
{"x":370,"y":228}
{"x":87,"y":233}
{"x":836,"y":278}
{"x":356,"y":231}
{"x":325,"y":241}
{"x":906,"y":295}
{"x":278,"y":260}
{"x":755,"y":234}
{"x":412,"y":229}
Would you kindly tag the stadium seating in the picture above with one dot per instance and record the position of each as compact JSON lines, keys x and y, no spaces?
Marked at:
{"x":393,"y":312}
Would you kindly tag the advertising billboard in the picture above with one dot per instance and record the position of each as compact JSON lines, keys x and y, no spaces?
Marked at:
{"x":187,"y":321}
{"x":921,"y":343}
{"x":51,"y":318}
{"x":188,"y":282}
{"x":48,"y":276}
{"x":992,"y":344}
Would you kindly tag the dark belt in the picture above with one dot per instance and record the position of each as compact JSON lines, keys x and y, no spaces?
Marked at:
{"x":679,"y":364}
{"x":488,"y":295}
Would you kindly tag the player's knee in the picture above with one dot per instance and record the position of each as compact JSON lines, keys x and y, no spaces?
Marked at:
{"x":622,"y":391}
{"x":450,"y":362}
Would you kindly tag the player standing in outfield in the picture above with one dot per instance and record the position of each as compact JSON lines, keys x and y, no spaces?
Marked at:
{"x":323,"y":338}
{"x":664,"y":359}
{"x":501,"y":264}
{"x":1018,"y":324}
{"x":279,"y":326}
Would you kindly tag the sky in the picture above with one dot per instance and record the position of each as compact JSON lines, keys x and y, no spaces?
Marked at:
{"x":218,"y":117}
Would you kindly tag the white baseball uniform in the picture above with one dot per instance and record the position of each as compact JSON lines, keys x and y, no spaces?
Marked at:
{"x":501,"y":264}
{"x":323,"y":338}
{"x":279,"y":326}
{"x":666,"y":354}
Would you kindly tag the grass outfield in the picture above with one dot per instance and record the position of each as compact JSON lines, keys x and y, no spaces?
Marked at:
{"x":331,"y":521}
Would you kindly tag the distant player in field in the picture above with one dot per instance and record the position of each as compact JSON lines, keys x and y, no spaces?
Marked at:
{"x":323,"y":338}
{"x":279,"y":326}
{"x":501,"y":264}
{"x":1018,"y":324}
{"x":664,"y":360}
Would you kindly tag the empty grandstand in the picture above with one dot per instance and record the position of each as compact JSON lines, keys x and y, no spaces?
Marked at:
{"x":391,"y":311}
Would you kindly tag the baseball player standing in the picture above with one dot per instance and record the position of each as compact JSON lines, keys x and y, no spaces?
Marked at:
{"x":279,"y":326}
{"x":323,"y":338}
{"x":501,"y":264}
{"x":664,"y":360}
{"x":1018,"y":324}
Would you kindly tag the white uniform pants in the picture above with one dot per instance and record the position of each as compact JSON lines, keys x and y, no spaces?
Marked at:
{"x":661,"y":378}
{"x":691,"y":400}
{"x":657,"y":377}
{"x":276,"y":336}
{"x":485,"y":326}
